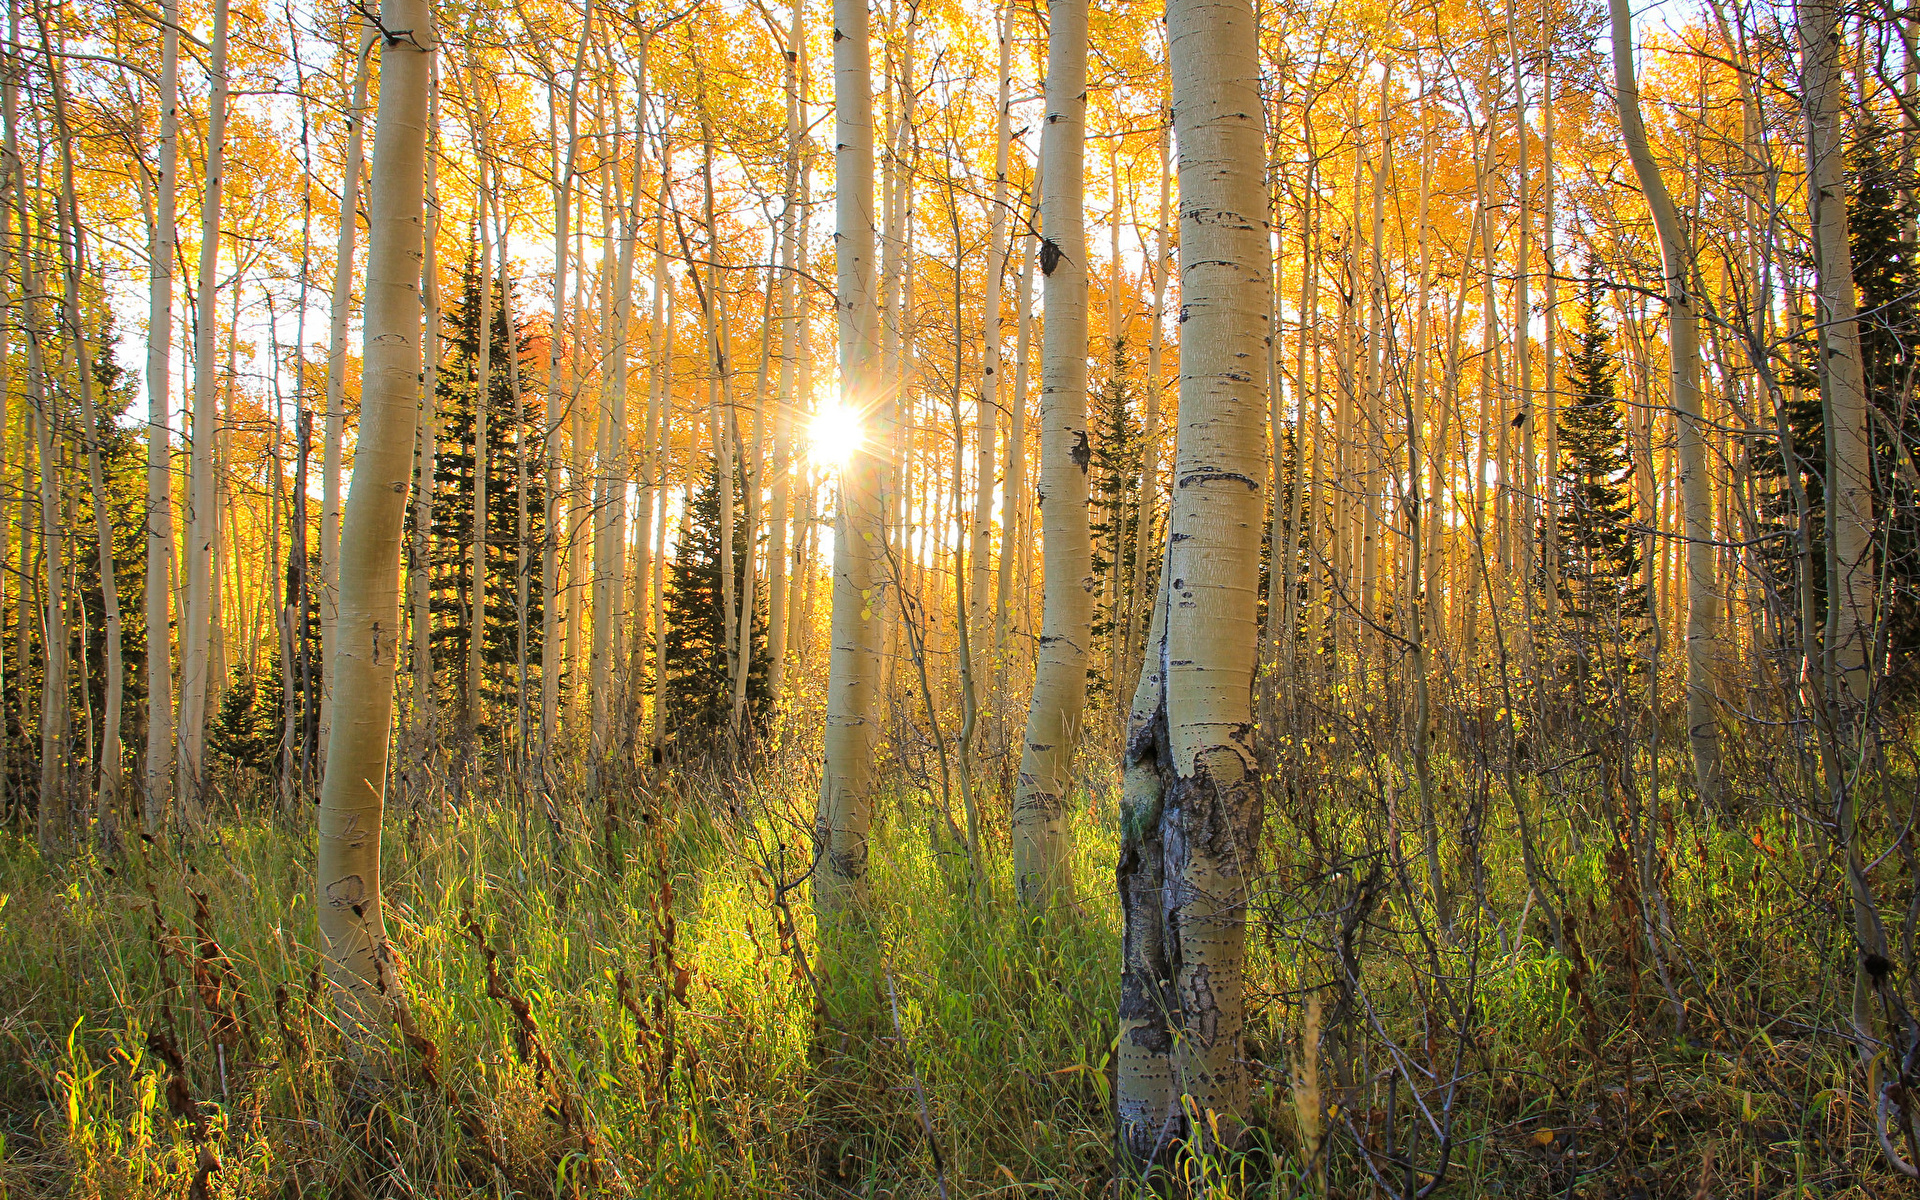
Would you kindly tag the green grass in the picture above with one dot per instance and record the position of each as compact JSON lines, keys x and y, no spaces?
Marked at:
{"x":736,"y":1079}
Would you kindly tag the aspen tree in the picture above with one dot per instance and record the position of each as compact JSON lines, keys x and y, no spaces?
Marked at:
{"x":360,"y":962}
{"x":1190,"y":823}
{"x":1060,"y":673}
{"x":73,"y":251}
{"x":425,"y":710}
{"x":853,"y":669}
{"x":786,"y":401}
{"x":50,"y":825}
{"x":199,"y":615}
{"x":340,"y":309}
{"x":1850,"y":615}
{"x":610,"y":507}
{"x":1015,"y":568}
{"x":554,"y":653}
{"x":1150,"y":430}
{"x":157,"y":776}
{"x":1683,"y":346}
{"x":648,"y":563}
{"x":804,"y":574}
{"x":987,"y":418}
{"x":477,"y":584}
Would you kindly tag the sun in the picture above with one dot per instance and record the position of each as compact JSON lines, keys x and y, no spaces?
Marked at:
{"x":835,"y":434}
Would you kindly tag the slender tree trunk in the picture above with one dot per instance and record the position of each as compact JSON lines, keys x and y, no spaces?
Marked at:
{"x":339,"y":312}
{"x":199,"y":615}
{"x":659,"y":420}
{"x":987,"y":417}
{"x":425,"y":715}
{"x":786,"y":400}
{"x":74,"y":252}
{"x":483,"y":394}
{"x":1143,"y":540}
{"x":610,"y":510}
{"x":368,"y":989}
{"x":1040,"y":864}
{"x":51,"y":802}
{"x":1010,"y":588}
{"x":157,"y":777}
{"x":1850,"y":612}
{"x":846,"y":794}
{"x":1193,"y":798}
{"x":1683,"y":343}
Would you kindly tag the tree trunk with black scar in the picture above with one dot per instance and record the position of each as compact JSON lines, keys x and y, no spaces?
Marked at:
{"x":1190,"y":822}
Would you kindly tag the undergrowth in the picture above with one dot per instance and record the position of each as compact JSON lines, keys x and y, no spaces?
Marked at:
{"x":633,"y":1001}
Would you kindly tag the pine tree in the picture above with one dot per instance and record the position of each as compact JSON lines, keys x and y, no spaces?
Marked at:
{"x":1886,"y":276}
{"x":695,"y":655}
{"x":457,"y":390}
{"x":1116,"y":465}
{"x":1603,"y":599}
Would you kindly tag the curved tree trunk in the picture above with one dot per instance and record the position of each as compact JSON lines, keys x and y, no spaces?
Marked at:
{"x":853,"y":669}
{"x":360,"y":963}
{"x":1191,"y":826}
{"x":1696,"y":488}
{"x":339,"y":311}
{"x":1066,"y":621}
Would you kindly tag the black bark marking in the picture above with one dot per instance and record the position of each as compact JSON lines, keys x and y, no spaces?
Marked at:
{"x":1050,"y":256}
{"x":1082,"y":452}
{"x":1253,"y":485}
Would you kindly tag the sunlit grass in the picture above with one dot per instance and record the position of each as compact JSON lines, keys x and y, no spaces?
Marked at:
{"x":731,"y":1081}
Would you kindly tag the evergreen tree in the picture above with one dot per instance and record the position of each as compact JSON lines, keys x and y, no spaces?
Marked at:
{"x":1116,"y":463}
{"x":460,"y":400}
{"x":1886,"y":275}
{"x":695,"y":655}
{"x":1602,"y":596}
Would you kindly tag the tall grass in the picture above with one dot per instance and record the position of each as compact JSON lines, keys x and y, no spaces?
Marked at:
{"x":653,"y":1025}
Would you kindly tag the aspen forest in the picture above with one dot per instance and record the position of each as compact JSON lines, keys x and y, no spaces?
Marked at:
{"x":960,"y":598}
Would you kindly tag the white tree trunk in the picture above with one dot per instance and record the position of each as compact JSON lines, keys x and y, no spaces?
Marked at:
{"x":1196,"y":820}
{"x":360,"y":963}
{"x":339,"y":311}
{"x":1060,"y":681}
{"x":157,"y":777}
{"x":1696,"y":488}
{"x":987,"y":418}
{"x":199,"y":611}
{"x":846,"y":793}
{"x":1850,"y":608}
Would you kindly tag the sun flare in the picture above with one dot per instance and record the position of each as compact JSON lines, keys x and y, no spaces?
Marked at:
{"x":835,"y":434}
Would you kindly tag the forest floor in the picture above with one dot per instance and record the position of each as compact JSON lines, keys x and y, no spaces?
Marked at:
{"x":630,"y":1000}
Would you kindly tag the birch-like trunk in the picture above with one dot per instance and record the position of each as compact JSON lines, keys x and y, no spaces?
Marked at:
{"x":1683,"y":347}
{"x":73,"y":252}
{"x":156,"y":792}
{"x":425,"y":715}
{"x":340,"y":309}
{"x":987,"y":417}
{"x":199,"y":611}
{"x":360,"y":963}
{"x":1190,"y":831}
{"x":786,"y":400}
{"x":477,"y":583}
{"x":1850,"y":612}
{"x":610,"y":508}
{"x":1066,"y":626}
{"x":853,"y":670}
